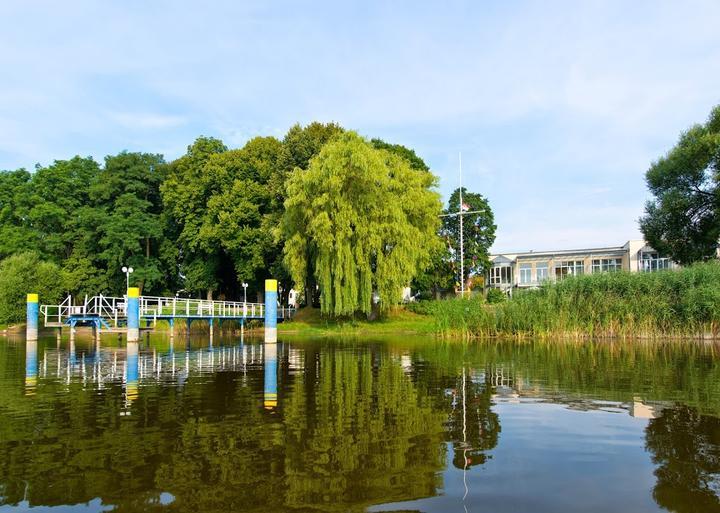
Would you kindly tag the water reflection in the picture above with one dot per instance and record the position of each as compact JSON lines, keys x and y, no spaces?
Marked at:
{"x":31,"y":366}
{"x":131,"y":371}
{"x":686,"y":447}
{"x":357,"y":425}
{"x":270,"y":372}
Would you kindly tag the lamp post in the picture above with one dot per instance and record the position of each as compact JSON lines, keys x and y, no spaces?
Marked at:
{"x":128,"y":271}
{"x":244,"y":286}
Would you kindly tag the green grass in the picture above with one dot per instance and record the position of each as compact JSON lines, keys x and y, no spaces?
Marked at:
{"x":309,"y":322}
{"x":681,"y":303}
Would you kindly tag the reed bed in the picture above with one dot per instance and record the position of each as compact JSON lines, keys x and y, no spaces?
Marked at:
{"x":678,"y":303}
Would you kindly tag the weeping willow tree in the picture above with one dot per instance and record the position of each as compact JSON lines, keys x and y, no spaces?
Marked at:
{"x":362,"y":220}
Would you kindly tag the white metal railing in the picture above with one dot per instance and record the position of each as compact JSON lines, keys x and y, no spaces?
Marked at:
{"x":114,"y":309}
{"x":184,"y":307}
{"x":56,"y":314}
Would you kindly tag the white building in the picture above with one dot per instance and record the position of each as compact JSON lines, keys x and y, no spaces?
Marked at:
{"x":530,"y":269}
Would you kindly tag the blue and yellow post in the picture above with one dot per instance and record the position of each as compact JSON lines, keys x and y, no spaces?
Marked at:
{"x":33,"y":313}
{"x":271,"y":311}
{"x":133,"y":314}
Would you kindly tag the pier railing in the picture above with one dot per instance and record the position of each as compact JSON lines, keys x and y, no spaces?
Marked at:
{"x":184,"y":307}
{"x":113,"y":310}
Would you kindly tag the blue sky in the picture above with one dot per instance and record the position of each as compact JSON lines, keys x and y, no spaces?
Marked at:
{"x":557,"y":107}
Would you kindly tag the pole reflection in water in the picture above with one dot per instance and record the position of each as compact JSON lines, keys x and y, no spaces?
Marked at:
{"x":270,"y":390}
{"x":31,"y":366}
{"x":131,"y":376}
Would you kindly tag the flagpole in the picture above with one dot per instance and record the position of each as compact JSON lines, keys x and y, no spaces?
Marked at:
{"x":462,"y":248}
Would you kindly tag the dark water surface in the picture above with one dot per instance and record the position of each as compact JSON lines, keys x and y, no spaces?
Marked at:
{"x":358,"y":425}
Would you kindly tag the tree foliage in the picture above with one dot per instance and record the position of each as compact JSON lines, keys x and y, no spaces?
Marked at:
{"x":478,"y":231}
{"x":683,"y":218}
{"x":126,"y":196}
{"x":186,"y":192}
{"x":211,"y":219}
{"x":365,"y":218}
{"x":24,"y":273}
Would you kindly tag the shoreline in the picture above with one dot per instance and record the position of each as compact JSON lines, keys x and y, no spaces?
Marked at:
{"x":403,"y":323}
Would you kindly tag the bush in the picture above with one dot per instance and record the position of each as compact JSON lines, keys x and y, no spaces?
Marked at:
{"x":422,"y":307}
{"x":495,"y":296}
{"x":22,"y":274}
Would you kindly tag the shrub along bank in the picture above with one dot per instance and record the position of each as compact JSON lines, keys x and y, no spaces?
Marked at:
{"x":679,"y":303}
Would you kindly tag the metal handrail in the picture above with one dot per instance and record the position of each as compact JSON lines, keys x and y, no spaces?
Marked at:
{"x":115,"y":309}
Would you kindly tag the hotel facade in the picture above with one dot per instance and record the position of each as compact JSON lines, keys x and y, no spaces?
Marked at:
{"x":510,"y":271}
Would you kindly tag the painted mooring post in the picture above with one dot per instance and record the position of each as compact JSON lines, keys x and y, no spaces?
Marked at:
{"x":33,"y":313}
{"x":133,"y":314}
{"x":271,"y":311}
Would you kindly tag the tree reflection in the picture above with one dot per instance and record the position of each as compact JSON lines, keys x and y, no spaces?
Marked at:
{"x":473,"y":428}
{"x":350,"y":430}
{"x":686,"y":447}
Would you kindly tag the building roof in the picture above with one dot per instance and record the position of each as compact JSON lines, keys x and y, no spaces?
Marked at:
{"x":562,"y":252}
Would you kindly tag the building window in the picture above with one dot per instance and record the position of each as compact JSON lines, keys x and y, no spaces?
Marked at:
{"x":603,"y":265}
{"x":500,"y":275}
{"x":568,"y":268}
{"x":541,"y":271}
{"x":650,"y":262}
{"x":525,"y":274}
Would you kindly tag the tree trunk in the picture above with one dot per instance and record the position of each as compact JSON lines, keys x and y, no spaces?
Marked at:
{"x":209,"y":294}
{"x":285,"y":295}
{"x":308,"y":295}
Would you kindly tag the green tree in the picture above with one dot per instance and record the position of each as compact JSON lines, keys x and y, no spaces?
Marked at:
{"x":478,"y":231}
{"x":24,"y":273}
{"x":239,"y":216}
{"x":15,"y":234}
{"x":185,"y":193}
{"x":300,"y":145}
{"x":126,"y":195}
{"x":366,"y":219}
{"x":683,"y":218}
{"x":439,"y":274}
{"x":57,"y":205}
{"x":401,"y":151}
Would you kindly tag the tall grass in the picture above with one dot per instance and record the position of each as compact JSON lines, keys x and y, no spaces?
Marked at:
{"x":684,"y":303}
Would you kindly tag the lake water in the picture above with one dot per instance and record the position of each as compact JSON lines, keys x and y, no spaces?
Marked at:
{"x":358,"y":425}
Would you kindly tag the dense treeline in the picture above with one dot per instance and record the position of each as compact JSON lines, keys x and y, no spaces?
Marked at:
{"x":363,"y":222}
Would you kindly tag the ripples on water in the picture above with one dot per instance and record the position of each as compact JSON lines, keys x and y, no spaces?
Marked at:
{"x":321,"y":425}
